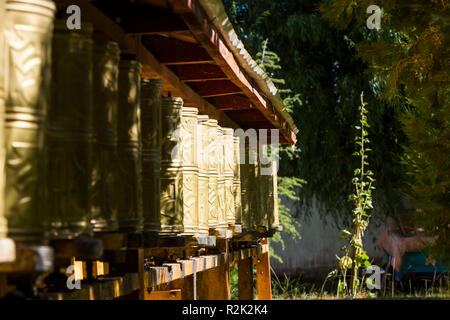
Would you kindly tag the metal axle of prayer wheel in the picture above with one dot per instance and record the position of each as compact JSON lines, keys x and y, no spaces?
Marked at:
{"x":171,"y":175}
{"x":129,"y":151}
{"x":190,"y":169}
{"x":28,"y":26}
{"x":213,"y":201}
{"x":106,"y":57}
{"x":203,"y":170}
{"x":151,"y":100}
{"x":7,"y":245}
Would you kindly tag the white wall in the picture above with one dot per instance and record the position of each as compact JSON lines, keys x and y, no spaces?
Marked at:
{"x":315,"y":254}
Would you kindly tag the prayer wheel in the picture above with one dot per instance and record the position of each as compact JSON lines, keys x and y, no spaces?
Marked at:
{"x":129,"y":149}
{"x":28,"y":31}
{"x":237,"y":181}
{"x":171,"y":199}
{"x":228,"y":147}
{"x":106,"y":57}
{"x":7,"y":246}
{"x":274,"y":220}
{"x":249,"y":194}
{"x":213,"y":203}
{"x":222,"y":218}
{"x":69,"y":133}
{"x":190,"y":169}
{"x":203,"y":167}
{"x":3,"y":223}
{"x":151,"y":152}
{"x":264,"y":173}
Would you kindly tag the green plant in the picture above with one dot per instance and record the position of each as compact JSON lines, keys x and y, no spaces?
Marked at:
{"x":355,"y":257}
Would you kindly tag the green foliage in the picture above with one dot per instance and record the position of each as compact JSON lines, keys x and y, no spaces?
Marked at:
{"x":320,"y":65}
{"x":411,"y":53}
{"x":355,"y":257}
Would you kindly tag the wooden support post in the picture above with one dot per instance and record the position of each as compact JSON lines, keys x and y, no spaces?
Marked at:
{"x":135,"y":263}
{"x":245,"y":279}
{"x":263,"y":284}
{"x":214,"y":284}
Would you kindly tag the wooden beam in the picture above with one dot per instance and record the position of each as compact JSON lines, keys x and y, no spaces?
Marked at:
{"x":173,"y":51}
{"x":151,"y":68}
{"x":196,"y":19}
{"x":245,"y":279}
{"x":252,"y":115}
{"x":214,"y":88}
{"x":140,"y":18}
{"x":232,"y":102}
{"x":174,"y":294}
{"x":198,"y":72}
{"x":263,"y":284}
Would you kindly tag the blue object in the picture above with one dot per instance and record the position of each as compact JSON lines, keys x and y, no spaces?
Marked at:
{"x":414,"y":264}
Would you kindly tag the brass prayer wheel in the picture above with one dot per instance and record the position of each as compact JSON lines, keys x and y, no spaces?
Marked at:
{"x":203,"y":170}
{"x":228,"y":147}
{"x":129,"y":148}
{"x":237,"y":181}
{"x":221,"y":193}
{"x":249,"y":195}
{"x":213,"y":217}
{"x":3,"y":223}
{"x":151,"y":100}
{"x":274,"y":220}
{"x":28,"y":32}
{"x":190,"y":169}
{"x":106,"y":57}
{"x":171,"y":199}
{"x":263,"y":183}
{"x":69,"y":133}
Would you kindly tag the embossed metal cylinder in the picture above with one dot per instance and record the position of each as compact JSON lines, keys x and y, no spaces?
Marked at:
{"x":237,"y":181}
{"x":249,"y":195}
{"x":221,"y":191}
{"x":129,"y":148}
{"x":3,"y":223}
{"x":69,"y":133}
{"x":190,"y":169}
{"x":274,"y":220}
{"x":213,"y":199}
{"x":171,"y":205}
{"x":203,"y":167}
{"x":263,"y":185}
{"x":228,"y":147}
{"x":106,"y":57}
{"x":151,"y":152}
{"x":28,"y":31}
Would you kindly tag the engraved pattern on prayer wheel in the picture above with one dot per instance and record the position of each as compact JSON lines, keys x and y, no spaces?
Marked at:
{"x":28,"y":27}
{"x":151,"y":100}
{"x":263,"y":184}
{"x":171,"y":205}
{"x":190,"y":169}
{"x":3,"y":222}
{"x":106,"y":57}
{"x":221,"y":193}
{"x":213,"y":200}
{"x":68,"y":139}
{"x":229,"y":175}
{"x":129,"y":148}
{"x":203,"y":170}
{"x":249,"y":195}
{"x":237,"y":181}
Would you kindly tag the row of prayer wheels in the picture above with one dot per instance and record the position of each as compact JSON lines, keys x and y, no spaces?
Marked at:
{"x":89,"y":147}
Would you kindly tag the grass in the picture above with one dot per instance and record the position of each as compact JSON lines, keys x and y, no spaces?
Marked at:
{"x":293,"y":288}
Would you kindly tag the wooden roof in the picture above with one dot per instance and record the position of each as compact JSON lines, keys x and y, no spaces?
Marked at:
{"x":176,"y":41}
